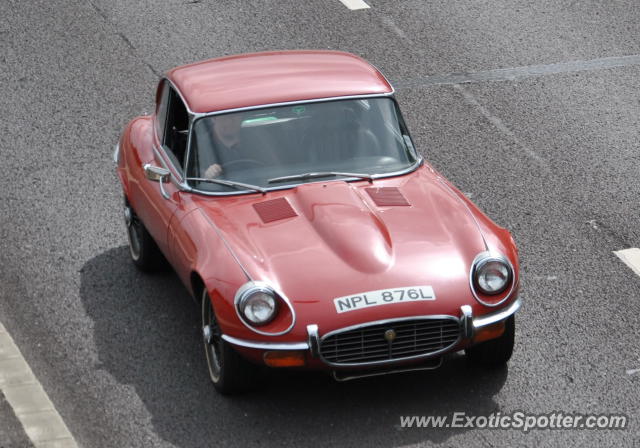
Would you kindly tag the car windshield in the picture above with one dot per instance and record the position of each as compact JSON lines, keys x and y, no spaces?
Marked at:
{"x":293,"y":144}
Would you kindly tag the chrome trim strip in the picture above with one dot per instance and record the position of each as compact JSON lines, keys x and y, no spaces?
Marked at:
{"x":313,"y":340}
{"x":266,"y":345}
{"x":395,"y":360}
{"x":393,"y":89}
{"x":498,"y":256}
{"x":226,"y":244}
{"x":287,"y":103}
{"x":167,"y":164}
{"x":488,"y":319}
{"x":184,"y":102}
{"x":116,"y":153}
{"x":175,"y":172}
{"x":252,"y":286}
{"x":179,"y":178}
{"x":197,"y":115}
{"x":334,"y":373}
{"x":193,"y":116}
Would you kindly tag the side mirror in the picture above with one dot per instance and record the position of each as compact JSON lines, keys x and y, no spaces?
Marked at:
{"x":157,"y":174}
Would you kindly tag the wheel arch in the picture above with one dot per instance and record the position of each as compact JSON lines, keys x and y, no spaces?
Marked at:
{"x":196,"y":283}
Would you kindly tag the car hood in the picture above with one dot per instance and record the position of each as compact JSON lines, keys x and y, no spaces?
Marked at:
{"x":331,"y":239}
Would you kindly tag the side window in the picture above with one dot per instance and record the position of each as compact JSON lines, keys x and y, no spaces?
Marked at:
{"x":161,"y":109}
{"x":177,"y":129}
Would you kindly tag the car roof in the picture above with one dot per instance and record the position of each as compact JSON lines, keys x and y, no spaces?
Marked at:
{"x":257,"y":79}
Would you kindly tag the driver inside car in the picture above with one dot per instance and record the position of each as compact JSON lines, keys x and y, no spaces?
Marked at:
{"x":231,"y":149}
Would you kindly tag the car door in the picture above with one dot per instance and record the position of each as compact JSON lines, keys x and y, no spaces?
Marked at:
{"x":161,"y":199}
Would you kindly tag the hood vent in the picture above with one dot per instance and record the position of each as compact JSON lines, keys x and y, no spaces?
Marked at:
{"x":274,"y":210}
{"x":387,"y":196}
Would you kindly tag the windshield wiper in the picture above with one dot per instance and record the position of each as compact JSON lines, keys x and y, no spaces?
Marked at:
{"x":229,"y":183}
{"x":303,"y":176}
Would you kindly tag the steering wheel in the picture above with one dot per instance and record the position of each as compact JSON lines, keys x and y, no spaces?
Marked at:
{"x":241,"y":161}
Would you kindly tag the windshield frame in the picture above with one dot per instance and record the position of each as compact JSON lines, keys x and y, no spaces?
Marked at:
{"x":197,"y":116}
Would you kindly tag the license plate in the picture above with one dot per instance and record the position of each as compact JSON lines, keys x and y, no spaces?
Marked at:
{"x":383,"y":297}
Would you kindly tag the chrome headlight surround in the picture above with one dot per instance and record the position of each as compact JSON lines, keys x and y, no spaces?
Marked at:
{"x":249,"y":290}
{"x":482,"y":260}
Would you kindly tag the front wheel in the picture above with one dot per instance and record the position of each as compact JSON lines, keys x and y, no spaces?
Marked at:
{"x":229,"y":372}
{"x":144,"y":252}
{"x":495,"y":352}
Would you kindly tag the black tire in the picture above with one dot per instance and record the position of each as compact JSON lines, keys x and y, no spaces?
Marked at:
{"x":144,"y":251}
{"x":495,"y":352}
{"x":229,"y":372}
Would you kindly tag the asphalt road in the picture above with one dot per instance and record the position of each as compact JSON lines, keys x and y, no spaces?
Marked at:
{"x":553,"y":157}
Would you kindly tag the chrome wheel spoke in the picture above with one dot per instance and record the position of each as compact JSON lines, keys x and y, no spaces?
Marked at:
{"x":211,"y":338}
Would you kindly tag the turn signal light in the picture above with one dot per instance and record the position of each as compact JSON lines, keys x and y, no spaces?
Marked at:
{"x":282,"y":358}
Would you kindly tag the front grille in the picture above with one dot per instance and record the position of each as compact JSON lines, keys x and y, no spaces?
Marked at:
{"x":413,"y":338}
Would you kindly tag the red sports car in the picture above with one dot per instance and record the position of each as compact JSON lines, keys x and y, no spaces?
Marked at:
{"x":285,"y":191}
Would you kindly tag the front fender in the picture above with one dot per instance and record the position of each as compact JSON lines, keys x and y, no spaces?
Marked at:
{"x":213,"y":262}
{"x":135,"y":147}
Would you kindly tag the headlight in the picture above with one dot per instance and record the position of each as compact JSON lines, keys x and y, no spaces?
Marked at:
{"x":493,"y":277}
{"x":491,"y":274}
{"x":258,"y":306}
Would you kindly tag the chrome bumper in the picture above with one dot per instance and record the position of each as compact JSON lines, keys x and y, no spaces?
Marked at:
{"x":468,"y":323}
{"x":492,"y":318}
{"x":266,"y":345}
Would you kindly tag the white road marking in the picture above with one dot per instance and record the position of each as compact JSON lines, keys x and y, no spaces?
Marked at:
{"x":632,"y":371}
{"x":355,"y":4}
{"x":630,"y":257}
{"x":393,"y":27}
{"x":500,"y":126}
{"x":469,"y":98}
{"x":29,"y":401}
{"x":514,"y":73}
